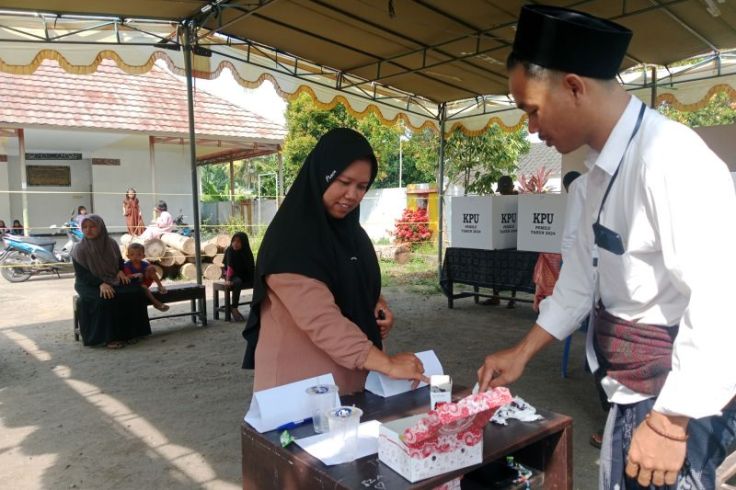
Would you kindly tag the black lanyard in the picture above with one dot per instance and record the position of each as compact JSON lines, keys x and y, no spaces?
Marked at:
{"x":623,"y":155}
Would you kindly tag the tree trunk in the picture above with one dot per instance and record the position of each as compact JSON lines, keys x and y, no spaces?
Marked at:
{"x":179,"y":242}
{"x":189,"y":271}
{"x":212,"y":272}
{"x":154,"y":248}
{"x":167,"y":259}
{"x":209,"y":249}
{"x":218,"y":259}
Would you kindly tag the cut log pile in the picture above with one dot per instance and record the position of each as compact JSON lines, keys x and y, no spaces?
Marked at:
{"x":173,"y":254}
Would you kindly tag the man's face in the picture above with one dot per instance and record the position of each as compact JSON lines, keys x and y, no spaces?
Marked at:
{"x":550,"y":106}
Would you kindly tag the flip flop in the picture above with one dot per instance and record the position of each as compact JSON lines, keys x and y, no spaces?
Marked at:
{"x":115,"y":345}
{"x":596,"y":440}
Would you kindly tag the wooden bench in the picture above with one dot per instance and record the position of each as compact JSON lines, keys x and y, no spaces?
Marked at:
{"x":217,"y":287}
{"x":195,"y":293}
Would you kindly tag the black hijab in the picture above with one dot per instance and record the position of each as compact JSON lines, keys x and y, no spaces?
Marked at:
{"x":241,"y":261}
{"x":304,"y":239}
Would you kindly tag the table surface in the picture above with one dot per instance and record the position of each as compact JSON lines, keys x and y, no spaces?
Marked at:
{"x":369,"y":472}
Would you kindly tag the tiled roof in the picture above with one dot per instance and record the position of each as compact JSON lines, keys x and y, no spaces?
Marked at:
{"x":154,"y":103}
{"x":540,"y":155}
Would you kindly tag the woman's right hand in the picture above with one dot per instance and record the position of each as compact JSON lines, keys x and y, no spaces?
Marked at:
{"x":406,"y":365}
{"x":106,"y":291}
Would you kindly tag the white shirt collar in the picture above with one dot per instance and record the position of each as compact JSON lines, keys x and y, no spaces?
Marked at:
{"x":609,"y":157}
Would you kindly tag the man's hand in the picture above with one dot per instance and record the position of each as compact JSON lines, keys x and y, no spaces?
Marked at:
{"x":123,"y":278}
{"x":500,"y":369}
{"x":384,"y":317}
{"x":106,"y":291}
{"x":655,"y":459}
{"x":505,"y":367}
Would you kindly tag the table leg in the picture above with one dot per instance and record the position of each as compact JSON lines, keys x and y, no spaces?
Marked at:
{"x":227,"y":305}
{"x":215,"y":303}
{"x":476,"y":290}
{"x":451,"y":295}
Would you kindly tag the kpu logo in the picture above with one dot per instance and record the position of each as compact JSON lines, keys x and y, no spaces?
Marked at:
{"x":508,"y":218}
{"x":471,"y":218}
{"x":543,"y":218}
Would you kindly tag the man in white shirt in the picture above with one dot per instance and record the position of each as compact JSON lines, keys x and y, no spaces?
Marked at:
{"x":654,"y":262}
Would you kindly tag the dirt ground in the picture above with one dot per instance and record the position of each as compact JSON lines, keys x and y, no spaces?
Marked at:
{"x":165,"y":413}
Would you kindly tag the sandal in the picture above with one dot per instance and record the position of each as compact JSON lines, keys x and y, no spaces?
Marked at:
{"x":115,"y":344}
{"x":237,"y":316}
{"x":596,"y":439}
{"x":162,"y":307}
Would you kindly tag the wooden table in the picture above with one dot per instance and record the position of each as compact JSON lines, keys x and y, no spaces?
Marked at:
{"x":545,"y":445}
{"x":501,"y":270}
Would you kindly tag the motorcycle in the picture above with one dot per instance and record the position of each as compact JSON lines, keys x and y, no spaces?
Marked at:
{"x":24,"y":256}
{"x":181,"y":227}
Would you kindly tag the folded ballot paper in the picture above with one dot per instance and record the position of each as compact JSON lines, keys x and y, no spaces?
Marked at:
{"x":382,"y":385}
{"x":274,"y":407}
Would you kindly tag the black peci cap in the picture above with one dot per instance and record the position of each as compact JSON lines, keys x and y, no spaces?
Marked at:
{"x":570,"y":41}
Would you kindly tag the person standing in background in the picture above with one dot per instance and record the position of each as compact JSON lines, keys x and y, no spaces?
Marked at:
{"x":132,"y":213}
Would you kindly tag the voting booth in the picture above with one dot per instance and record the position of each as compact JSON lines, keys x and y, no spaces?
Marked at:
{"x":484,"y":222}
{"x":541,"y":222}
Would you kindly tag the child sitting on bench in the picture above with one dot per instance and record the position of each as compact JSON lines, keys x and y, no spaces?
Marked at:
{"x":141,"y":272}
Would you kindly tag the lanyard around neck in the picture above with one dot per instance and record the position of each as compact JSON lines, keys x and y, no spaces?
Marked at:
{"x":620,"y":163}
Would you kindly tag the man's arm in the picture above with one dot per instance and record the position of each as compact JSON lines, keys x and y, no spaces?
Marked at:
{"x":505,"y":367}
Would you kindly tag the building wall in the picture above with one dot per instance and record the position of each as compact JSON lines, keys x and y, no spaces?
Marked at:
{"x":380,"y":209}
{"x":109,"y":184}
{"x":172,"y":174}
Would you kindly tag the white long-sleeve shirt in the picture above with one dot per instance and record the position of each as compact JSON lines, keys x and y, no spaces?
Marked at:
{"x":573,"y":214}
{"x":678,"y":266}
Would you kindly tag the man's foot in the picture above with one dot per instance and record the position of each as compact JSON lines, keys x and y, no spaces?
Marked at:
{"x":511,"y":305}
{"x":237,"y":316}
{"x":596,"y":439}
{"x":161,"y":307}
{"x":115,"y":344}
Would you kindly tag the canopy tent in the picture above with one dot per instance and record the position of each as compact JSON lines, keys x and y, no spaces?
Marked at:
{"x":432,"y":63}
{"x":418,"y":60}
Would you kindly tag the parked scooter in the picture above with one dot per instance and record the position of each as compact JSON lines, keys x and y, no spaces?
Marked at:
{"x":25,"y":256}
{"x":182,"y":228}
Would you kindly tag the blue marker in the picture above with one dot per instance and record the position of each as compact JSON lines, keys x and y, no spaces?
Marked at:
{"x":293,"y":425}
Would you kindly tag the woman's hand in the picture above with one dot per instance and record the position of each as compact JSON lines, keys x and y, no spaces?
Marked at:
{"x":123,"y":278}
{"x":406,"y":365}
{"x":384,"y":317}
{"x":106,"y":291}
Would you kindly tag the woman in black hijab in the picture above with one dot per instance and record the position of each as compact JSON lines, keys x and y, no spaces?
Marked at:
{"x":110,"y":310}
{"x":317,"y":304}
{"x":239,"y":269}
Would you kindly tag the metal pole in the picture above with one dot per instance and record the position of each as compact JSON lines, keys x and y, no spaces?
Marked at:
{"x":654,"y":87}
{"x":280,"y":186}
{"x":193,"y":157}
{"x":401,"y":163}
{"x":440,"y":188}
{"x":23,"y":179}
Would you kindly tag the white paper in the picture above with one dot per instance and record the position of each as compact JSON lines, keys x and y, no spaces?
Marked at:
{"x":382,"y":385}
{"x":322,"y":446}
{"x":277,"y":406}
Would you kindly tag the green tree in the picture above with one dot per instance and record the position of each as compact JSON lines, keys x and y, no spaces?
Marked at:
{"x":719,"y":110}
{"x":477,"y":162}
{"x":420,"y":158}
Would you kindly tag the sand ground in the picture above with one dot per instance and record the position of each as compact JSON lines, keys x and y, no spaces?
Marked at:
{"x":165,"y":413}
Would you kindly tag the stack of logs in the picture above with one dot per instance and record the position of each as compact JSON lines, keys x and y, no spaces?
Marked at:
{"x":173,"y":254}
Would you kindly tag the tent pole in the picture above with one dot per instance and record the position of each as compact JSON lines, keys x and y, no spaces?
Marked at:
{"x":440,"y":189}
{"x":654,"y":87}
{"x":193,"y":158}
{"x":280,"y":183}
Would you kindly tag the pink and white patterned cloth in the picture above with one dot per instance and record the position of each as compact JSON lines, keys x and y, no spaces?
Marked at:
{"x":453,"y":425}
